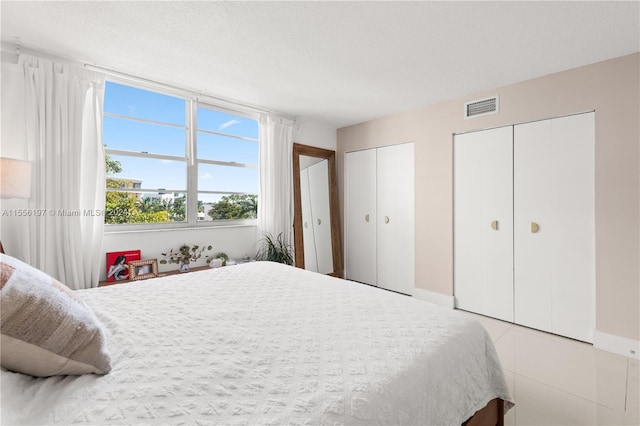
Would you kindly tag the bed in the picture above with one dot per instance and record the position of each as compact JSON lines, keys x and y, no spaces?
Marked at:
{"x":267,"y":344}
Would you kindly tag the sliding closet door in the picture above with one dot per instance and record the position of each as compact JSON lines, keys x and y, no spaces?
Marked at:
{"x":483,"y":222}
{"x":554,"y":226}
{"x":360,"y":216}
{"x":395,"y":206}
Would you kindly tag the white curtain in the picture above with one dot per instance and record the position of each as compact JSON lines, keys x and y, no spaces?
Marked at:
{"x":64,"y":142}
{"x":275,"y":199}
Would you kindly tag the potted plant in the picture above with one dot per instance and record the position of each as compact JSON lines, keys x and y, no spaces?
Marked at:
{"x":275,"y":250}
{"x":185,"y":255}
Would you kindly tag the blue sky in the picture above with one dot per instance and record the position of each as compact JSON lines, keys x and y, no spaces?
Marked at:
{"x":145,"y":137}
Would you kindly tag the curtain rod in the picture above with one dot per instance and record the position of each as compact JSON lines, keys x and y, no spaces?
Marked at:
{"x":198,"y":95}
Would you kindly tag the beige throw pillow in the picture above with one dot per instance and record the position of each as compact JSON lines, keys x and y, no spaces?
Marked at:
{"x":46,"y":329}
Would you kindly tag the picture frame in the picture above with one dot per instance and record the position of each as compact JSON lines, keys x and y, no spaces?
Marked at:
{"x":143,"y":269}
{"x":117,"y":268}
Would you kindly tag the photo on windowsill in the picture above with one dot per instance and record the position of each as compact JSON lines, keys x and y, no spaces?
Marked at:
{"x":144,"y":269}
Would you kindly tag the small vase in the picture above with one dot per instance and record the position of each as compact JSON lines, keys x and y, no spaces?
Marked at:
{"x":216,"y":263}
{"x":184,"y":267}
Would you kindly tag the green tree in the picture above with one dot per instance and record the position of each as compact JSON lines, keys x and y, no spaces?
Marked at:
{"x":124,"y":207}
{"x":178,"y":209}
{"x":112,"y":166}
{"x":235,"y":206}
{"x":146,"y":205}
{"x":119,"y":206}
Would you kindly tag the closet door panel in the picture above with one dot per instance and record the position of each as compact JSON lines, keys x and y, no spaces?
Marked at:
{"x":554,"y":187}
{"x":534,"y":250}
{"x":319,"y":194}
{"x":360,"y":216}
{"x":483,"y":222}
{"x":575,"y":137}
{"x":395,"y":221}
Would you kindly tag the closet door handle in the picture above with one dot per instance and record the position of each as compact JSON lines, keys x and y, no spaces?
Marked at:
{"x":306,"y":225}
{"x":534,"y":227}
{"x":319,"y":222}
{"x":386,"y":219}
{"x":366,"y":218}
{"x":494,"y":225}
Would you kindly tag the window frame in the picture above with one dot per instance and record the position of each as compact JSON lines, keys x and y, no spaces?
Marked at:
{"x":191,"y":159}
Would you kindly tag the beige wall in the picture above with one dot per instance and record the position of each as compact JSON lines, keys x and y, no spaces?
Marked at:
{"x":612,"y":89}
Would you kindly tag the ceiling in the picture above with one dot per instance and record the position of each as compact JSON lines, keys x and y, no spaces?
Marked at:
{"x":340,"y":63}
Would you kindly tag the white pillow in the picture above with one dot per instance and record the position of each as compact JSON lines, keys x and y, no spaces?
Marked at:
{"x":46,"y":329}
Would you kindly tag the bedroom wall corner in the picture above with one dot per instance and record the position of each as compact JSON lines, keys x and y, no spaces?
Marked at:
{"x":612,"y":89}
{"x":315,"y":133}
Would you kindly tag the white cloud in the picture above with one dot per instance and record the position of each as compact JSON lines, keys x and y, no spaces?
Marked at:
{"x":207,"y":176}
{"x":228,"y":124}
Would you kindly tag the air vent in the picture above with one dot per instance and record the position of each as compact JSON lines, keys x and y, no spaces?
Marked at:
{"x":481,"y":107}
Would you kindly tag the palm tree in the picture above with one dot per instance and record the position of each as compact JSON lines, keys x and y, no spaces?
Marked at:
{"x":249,"y":204}
{"x":146,"y":205}
{"x":167,"y":205}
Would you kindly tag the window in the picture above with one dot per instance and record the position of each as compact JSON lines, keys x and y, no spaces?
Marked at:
{"x":227,"y":147}
{"x":151,"y":178}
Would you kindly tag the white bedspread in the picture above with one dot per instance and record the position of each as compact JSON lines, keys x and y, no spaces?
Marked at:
{"x":265,"y":344}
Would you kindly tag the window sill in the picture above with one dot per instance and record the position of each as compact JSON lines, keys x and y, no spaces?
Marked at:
{"x":133,"y":229}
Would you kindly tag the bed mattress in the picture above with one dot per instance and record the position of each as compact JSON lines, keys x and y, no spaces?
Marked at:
{"x":267,"y":344}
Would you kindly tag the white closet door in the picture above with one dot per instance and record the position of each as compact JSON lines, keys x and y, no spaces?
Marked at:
{"x":554,"y":226}
{"x":319,"y":194}
{"x":483,"y":222}
{"x":360,"y":216}
{"x":310,"y":260}
{"x":395,"y":207}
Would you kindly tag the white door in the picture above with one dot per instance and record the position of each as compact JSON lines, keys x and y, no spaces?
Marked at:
{"x":554,"y":225}
{"x":395,"y":226}
{"x":483,"y":222}
{"x":319,"y":194}
{"x":360,"y":216}
{"x":310,"y":259}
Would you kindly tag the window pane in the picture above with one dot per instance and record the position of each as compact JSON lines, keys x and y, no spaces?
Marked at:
{"x":129,"y":101}
{"x":148,"y":207}
{"x":227,"y":123}
{"x":227,"y":206}
{"x":151,"y":173}
{"x":143,"y":137}
{"x":222,"y":148}
{"x":226,"y":178}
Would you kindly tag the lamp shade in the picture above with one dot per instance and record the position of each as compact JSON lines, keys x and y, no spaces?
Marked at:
{"x":15,"y":178}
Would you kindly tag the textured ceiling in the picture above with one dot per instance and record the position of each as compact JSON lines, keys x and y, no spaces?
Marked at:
{"x":336,"y":62}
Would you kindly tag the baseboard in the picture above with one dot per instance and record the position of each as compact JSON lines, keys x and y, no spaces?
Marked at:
{"x":433,"y":297}
{"x":616,"y":344}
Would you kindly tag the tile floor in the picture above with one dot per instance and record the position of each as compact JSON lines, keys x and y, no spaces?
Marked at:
{"x":558,"y":381}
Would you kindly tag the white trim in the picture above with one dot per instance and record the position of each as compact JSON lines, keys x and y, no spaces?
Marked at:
{"x":144,"y":120}
{"x":616,"y":344}
{"x":433,"y":297}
